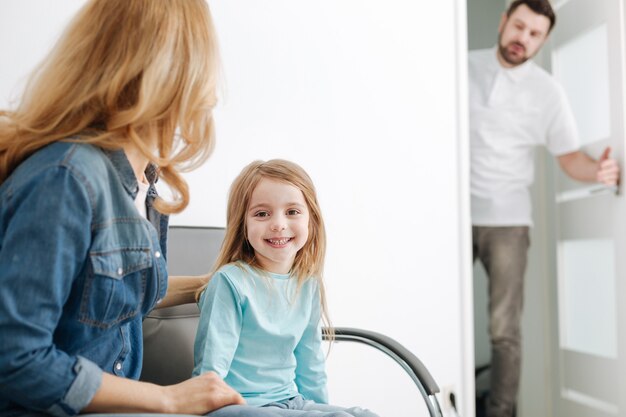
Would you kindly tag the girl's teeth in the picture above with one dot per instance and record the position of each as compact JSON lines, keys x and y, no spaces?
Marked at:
{"x":278,"y":241}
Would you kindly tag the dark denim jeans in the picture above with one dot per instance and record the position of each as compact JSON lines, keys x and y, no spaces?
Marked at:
{"x":503,"y":252}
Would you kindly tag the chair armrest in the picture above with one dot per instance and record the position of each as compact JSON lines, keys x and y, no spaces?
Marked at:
{"x":404,"y":357}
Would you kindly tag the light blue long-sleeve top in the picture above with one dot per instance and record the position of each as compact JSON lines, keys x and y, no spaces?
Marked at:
{"x":260,"y":336}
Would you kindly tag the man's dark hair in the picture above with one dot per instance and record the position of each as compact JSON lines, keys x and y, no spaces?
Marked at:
{"x":542,"y":7}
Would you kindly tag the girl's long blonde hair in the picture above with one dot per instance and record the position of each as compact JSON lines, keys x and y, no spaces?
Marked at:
{"x":309,"y":261}
{"x":125,"y":71}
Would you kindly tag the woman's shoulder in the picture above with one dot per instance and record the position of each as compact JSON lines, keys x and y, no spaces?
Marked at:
{"x":84,"y":160}
{"x":57,"y":162}
{"x":68,"y":152}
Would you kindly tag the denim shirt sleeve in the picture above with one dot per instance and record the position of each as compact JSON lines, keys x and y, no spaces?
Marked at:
{"x":44,"y":238}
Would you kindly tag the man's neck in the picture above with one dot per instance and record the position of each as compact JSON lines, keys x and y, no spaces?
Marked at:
{"x":504,"y":63}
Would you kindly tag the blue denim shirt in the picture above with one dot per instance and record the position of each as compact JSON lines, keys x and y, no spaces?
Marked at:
{"x":79,"y":268}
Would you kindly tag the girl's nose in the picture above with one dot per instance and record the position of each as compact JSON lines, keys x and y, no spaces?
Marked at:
{"x":278,"y":226}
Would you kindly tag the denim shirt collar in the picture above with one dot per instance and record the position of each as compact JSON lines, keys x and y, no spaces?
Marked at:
{"x":127,"y":175}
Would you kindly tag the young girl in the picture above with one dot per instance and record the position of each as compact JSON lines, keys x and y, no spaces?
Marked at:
{"x":260,"y":316}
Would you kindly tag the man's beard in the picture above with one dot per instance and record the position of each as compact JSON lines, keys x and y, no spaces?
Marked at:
{"x":511,"y":59}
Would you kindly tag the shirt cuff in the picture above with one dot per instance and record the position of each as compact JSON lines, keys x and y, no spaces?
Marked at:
{"x":81,"y":392}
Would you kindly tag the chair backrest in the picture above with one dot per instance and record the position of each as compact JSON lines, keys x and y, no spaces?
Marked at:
{"x":169,"y":333}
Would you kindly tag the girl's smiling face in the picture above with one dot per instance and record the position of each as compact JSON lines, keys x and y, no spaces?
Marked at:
{"x":277,"y":224}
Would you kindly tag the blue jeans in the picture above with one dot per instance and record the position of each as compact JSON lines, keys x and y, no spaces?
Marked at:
{"x":503,"y":252}
{"x":294,"y":407}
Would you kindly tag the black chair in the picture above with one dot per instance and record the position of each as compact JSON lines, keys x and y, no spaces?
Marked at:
{"x":169,"y":333}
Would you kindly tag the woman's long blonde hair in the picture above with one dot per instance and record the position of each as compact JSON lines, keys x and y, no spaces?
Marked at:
{"x":309,"y":261}
{"x":125,"y":71}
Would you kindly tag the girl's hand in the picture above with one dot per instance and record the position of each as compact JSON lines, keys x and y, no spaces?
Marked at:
{"x":200,"y":395}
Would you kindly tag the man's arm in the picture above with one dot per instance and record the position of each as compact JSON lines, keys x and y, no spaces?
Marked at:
{"x":580,"y":166}
{"x":182,"y":290}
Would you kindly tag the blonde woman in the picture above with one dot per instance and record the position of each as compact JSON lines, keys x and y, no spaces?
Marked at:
{"x":125,"y":97}
{"x":261,"y":312}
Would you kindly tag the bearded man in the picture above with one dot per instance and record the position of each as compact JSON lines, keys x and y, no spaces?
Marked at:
{"x":514,"y":106}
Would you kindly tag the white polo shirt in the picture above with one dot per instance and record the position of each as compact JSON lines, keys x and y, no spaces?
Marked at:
{"x":512,"y":110}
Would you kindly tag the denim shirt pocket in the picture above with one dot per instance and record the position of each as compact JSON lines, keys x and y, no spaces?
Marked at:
{"x":115,"y":286}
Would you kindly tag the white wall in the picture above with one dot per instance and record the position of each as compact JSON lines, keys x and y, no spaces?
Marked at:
{"x":28,"y":28}
{"x":370,"y":100}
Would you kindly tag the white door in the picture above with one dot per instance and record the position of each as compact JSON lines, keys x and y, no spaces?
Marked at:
{"x":589,"y":342}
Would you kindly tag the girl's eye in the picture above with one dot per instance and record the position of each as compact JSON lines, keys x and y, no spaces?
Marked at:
{"x":261,"y":214}
{"x":293,"y":212}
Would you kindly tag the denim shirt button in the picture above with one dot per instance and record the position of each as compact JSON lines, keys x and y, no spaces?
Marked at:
{"x":159,"y":301}
{"x":118,"y":366}
{"x":120,"y":271}
{"x":157,"y":254}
